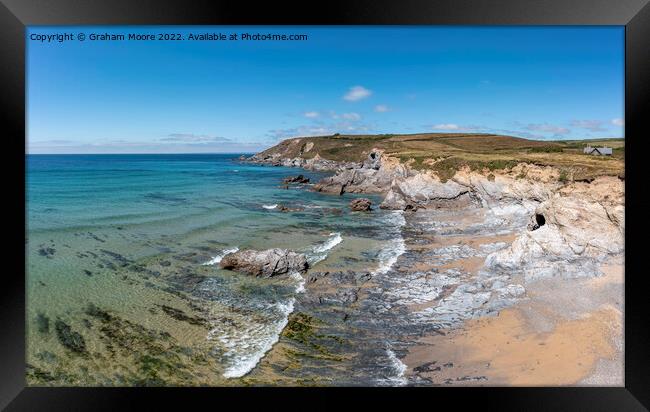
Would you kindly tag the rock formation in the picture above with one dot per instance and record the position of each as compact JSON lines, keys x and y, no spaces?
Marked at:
{"x":266,"y":263}
{"x":572,"y":226}
{"x":360,"y":205}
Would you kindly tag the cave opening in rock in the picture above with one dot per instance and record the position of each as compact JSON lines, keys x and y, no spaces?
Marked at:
{"x":540,"y":220}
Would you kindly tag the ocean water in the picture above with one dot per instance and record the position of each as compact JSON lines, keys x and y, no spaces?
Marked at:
{"x":140,"y":237}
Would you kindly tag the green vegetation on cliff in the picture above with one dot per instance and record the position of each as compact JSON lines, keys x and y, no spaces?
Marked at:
{"x":445,"y":153}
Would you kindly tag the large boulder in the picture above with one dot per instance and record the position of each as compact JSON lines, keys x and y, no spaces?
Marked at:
{"x":360,"y":205}
{"x":265,"y":263}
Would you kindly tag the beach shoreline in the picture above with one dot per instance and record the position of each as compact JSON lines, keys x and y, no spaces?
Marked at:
{"x":533,"y":339}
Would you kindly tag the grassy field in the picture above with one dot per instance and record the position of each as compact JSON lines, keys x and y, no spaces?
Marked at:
{"x":445,"y":153}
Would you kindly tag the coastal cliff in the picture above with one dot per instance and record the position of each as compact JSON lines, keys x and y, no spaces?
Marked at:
{"x":576,"y":212}
{"x":531,"y":232}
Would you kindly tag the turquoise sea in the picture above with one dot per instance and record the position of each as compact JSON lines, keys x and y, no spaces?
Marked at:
{"x":121,"y":247}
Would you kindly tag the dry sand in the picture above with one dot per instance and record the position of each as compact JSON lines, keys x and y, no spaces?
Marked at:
{"x":568,"y":332}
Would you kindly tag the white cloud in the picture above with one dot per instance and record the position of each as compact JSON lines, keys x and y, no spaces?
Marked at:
{"x":618,"y":122}
{"x":351,"y":116}
{"x":381,"y":108}
{"x":357,"y":93}
{"x":446,"y":126}
{"x":311,"y":115}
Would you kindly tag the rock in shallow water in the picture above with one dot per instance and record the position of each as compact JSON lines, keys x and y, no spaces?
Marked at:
{"x":360,"y":205}
{"x":295,"y":179}
{"x":265,"y":263}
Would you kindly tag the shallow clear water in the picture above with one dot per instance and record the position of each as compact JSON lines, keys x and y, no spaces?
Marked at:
{"x":133,"y":233}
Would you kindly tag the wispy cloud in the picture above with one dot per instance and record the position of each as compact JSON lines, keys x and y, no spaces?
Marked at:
{"x":357,"y":93}
{"x":323,"y":128}
{"x":446,"y":126}
{"x":546,"y":128}
{"x":172,"y":143}
{"x":351,"y":116}
{"x":194,"y":138}
{"x":382,"y":108}
{"x":618,"y":122}
{"x":591,"y":125}
{"x":311,"y":115}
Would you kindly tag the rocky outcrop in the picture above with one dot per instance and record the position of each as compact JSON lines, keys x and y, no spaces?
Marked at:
{"x":570,"y":232}
{"x":374,"y":175}
{"x":266,"y":263}
{"x":426,"y":190}
{"x":360,"y":205}
{"x":315,"y":163}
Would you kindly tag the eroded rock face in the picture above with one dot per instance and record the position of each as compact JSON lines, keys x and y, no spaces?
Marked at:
{"x":426,"y":190}
{"x":572,"y":227}
{"x":374,"y":175}
{"x":583,"y":224}
{"x":265,"y":263}
{"x":360,"y":205}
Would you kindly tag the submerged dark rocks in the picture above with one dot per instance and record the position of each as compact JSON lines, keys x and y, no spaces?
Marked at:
{"x":69,"y":338}
{"x":121,"y":260}
{"x":46,"y":251}
{"x":42,"y":323}
{"x":182,"y":316}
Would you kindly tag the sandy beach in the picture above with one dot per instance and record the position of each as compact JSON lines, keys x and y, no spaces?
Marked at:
{"x":558,"y":336}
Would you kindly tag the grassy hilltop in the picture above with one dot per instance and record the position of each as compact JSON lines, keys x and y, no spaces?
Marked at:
{"x":447,"y":152}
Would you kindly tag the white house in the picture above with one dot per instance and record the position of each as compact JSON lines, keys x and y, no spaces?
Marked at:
{"x":598,"y":151}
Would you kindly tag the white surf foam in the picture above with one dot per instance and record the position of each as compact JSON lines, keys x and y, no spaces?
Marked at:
{"x":319,"y":252}
{"x":300,"y":287}
{"x":398,"y":367}
{"x":217,"y":258}
{"x":245,"y":347}
{"x":273,"y":206}
{"x":395,"y":248}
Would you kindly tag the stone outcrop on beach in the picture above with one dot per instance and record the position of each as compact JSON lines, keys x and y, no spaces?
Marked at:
{"x":265,"y":263}
{"x":360,"y":205}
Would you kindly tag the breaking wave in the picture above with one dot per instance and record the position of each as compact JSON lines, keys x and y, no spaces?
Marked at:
{"x":319,"y":252}
{"x":217,"y":258}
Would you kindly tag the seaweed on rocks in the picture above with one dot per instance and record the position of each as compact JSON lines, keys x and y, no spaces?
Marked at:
{"x":302,"y":328}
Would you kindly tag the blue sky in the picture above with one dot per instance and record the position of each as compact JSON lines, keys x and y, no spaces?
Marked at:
{"x":242,"y":96}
